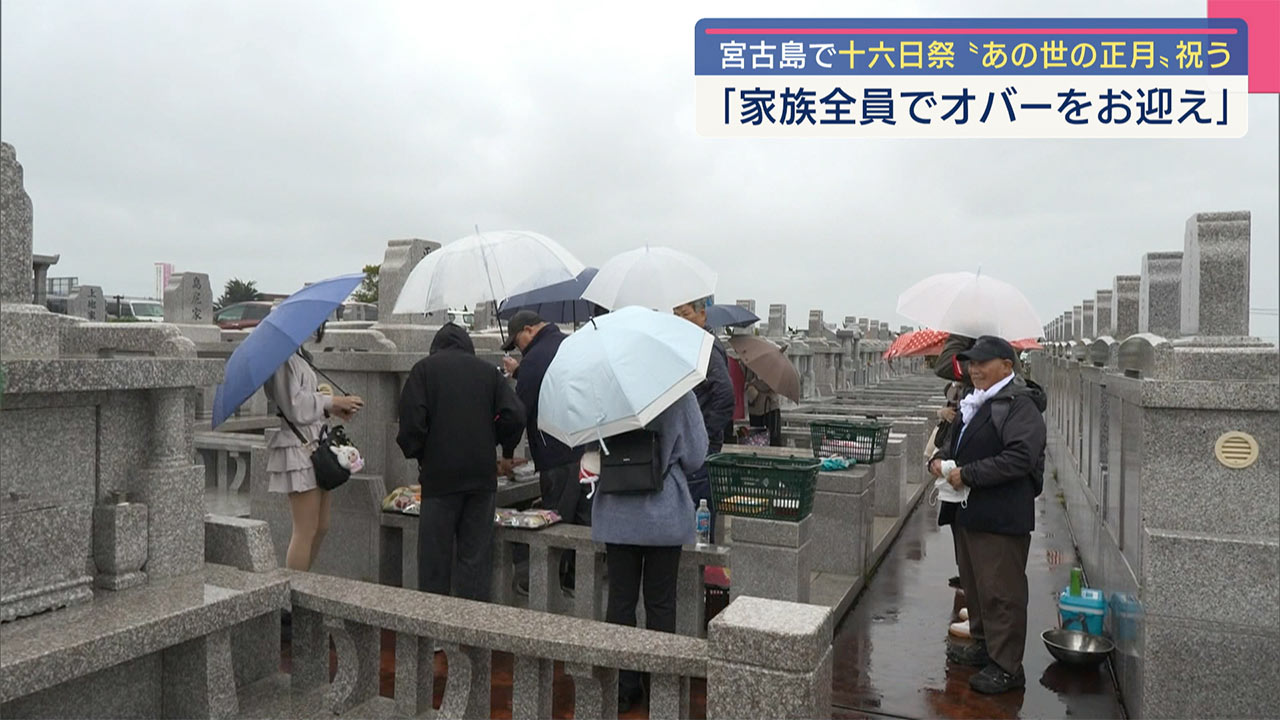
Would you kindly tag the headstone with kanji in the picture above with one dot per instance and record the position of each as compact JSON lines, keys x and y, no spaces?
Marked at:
{"x":87,"y":302}
{"x":188,"y":299}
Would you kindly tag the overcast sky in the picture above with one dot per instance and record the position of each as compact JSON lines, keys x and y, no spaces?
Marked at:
{"x":288,"y":141}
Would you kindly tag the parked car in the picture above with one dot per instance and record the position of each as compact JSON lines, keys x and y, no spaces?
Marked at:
{"x":242,"y":316}
{"x":465,"y":318}
{"x":140,"y":309}
{"x":355,"y":311}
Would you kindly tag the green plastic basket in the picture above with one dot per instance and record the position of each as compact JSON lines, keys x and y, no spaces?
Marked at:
{"x":761,"y":486}
{"x":862,"y":441}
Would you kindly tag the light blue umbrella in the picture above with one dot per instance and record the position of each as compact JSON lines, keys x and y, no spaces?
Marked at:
{"x":619,"y":372}
{"x":278,"y":336}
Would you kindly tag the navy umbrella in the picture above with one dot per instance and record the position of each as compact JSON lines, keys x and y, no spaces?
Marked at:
{"x":558,"y":303}
{"x":719,"y":316}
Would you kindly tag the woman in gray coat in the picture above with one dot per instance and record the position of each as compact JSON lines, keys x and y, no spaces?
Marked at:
{"x":294,"y":391}
{"x":643,"y":532}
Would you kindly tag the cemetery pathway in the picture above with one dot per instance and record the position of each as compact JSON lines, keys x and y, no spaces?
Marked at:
{"x":889,"y":650}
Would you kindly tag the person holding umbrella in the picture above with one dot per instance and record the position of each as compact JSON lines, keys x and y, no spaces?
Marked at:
{"x":272,"y":358}
{"x":293,"y":389}
{"x":557,"y":463}
{"x":623,"y":382}
{"x":715,"y":400}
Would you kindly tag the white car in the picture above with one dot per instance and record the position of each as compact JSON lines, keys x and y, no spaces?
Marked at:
{"x":142,"y":310}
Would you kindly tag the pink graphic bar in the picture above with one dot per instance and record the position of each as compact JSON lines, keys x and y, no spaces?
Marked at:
{"x":1263,"y":19}
{"x":980,"y":31}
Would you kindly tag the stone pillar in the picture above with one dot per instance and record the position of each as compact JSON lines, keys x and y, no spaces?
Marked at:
{"x":777,"y":321}
{"x":87,"y":302}
{"x":769,"y":659}
{"x":199,"y":678}
{"x":750,"y":305}
{"x":172,"y":489}
{"x":816,"y":326}
{"x":1160,"y":294}
{"x":1067,"y":325}
{"x":1077,"y":323}
{"x":771,"y":559}
{"x":889,"y":477}
{"x":1102,"y":313}
{"x":40,"y":285}
{"x":1125,"y":296}
{"x":1215,"y":275}
{"x":15,"y":263}
{"x":26,"y":329}
{"x":1087,"y":320}
{"x":843,"y":516}
{"x":409,"y":331}
{"x":188,"y":303}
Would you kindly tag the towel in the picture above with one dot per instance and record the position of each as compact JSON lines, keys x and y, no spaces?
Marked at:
{"x":946,"y":493}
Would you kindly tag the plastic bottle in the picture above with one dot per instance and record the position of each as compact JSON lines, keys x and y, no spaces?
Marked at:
{"x":1076,"y":582}
{"x":702,"y":522}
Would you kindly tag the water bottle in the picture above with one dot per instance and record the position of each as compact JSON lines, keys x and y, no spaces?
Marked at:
{"x":1076,"y":582}
{"x":703,"y":522}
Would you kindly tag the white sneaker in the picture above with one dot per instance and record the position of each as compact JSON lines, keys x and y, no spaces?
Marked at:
{"x":960,"y":629}
{"x":964,"y":613}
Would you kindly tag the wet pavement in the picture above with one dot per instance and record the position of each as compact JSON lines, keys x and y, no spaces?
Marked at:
{"x":890,"y":649}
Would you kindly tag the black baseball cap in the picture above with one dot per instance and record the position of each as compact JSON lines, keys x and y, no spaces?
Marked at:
{"x":518,"y":322}
{"x":989,"y":347}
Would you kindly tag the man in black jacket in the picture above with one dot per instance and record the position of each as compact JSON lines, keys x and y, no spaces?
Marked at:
{"x":455,"y":408}
{"x":997,"y":446}
{"x":716,"y":400}
{"x":557,"y":463}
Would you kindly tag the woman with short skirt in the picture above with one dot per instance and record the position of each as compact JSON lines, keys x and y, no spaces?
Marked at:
{"x":294,"y":391}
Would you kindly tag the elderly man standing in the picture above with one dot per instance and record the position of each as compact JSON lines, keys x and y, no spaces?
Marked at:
{"x":557,"y":463}
{"x":715,"y":400}
{"x":996,"y":450}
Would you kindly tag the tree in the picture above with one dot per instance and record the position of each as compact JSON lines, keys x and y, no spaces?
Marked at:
{"x":237,"y":291}
{"x":368,"y":290}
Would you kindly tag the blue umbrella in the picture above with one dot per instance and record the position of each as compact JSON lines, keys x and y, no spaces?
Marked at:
{"x":558,"y":303}
{"x":279,"y":335}
{"x":619,"y":372}
{"x":730,"y":316}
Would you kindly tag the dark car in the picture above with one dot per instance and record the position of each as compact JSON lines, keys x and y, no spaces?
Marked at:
{"x":242,"y":316}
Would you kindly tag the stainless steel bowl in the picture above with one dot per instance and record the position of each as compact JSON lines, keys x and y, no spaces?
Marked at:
{"x":1077,"y":648}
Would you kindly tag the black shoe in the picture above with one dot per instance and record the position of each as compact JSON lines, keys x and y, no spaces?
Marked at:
{"x":954,"y":582}
{"x":993,"y":680}
{"x":970,"y":655}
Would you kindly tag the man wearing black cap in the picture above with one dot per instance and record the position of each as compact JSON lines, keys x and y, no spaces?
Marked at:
{"x":557,"y":464}
{"x":997,"y":445}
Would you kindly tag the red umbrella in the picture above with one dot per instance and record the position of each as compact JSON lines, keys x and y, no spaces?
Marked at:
{"x":917,"y":343}
{"x":920,"y":343}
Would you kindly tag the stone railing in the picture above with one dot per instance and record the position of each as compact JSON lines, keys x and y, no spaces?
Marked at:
{"x":762,"y":658}
{"x":545,"y":547}
{"x":227,"y":460}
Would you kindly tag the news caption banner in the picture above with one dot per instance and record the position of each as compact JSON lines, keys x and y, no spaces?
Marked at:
{"x":972,"y":78}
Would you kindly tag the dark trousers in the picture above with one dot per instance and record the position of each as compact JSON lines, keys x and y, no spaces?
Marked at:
{"x":632,"y":567}
{"x":993,"y":573}
{"x":772,"y":421}
{"x":461,"y":521}
{"x":700,"y":489}
{"x":562,"y":492}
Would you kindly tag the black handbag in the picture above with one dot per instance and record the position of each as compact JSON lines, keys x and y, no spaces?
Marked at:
{"x":330,"y":475}
{"x":633,"y":464}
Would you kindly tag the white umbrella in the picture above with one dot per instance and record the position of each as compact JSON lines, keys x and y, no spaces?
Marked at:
{"x":654,"y":277}
{"x":619,"y":372}
{"x":970,"y":304}
{"x":488,"y":266}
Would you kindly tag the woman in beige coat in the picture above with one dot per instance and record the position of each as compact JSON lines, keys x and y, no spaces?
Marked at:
{"x":294,"y":391}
